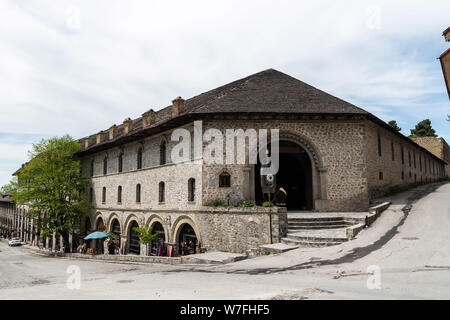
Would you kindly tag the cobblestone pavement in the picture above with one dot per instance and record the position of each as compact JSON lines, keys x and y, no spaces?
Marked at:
{"x":404,"y":254}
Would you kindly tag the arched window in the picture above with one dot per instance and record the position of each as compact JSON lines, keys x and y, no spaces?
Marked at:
{"x":162,"y":152}
{"x":104,"y":195}
{"x":191,"y":189}
{"x":224,"y":180}
{"x":119,"y":194}
{"x":105,"y":166}
{"x":161,"y":192}
{"x":120,"y":159}
{"x":138,"y":193}
{"x":92,"y":168}
{"x":139,"y":158}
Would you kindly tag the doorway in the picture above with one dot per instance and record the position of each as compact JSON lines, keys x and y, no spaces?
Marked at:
{"x":294,"y":178}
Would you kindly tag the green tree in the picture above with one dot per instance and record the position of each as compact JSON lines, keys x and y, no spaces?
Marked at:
{"x":7,"y":188}
{"x":394,"y":125}
{"x":52,"y":186}
{"x":423,"y":129}
{"x":145,"y":234}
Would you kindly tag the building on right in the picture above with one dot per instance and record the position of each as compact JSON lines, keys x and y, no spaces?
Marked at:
{"x":438,"y":147}
{"x":445,"y":61}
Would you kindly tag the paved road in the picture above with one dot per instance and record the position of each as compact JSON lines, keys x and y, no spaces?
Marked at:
{"x":408,"y":247}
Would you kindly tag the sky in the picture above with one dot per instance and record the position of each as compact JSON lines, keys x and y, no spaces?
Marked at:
{"x":77,"y":67}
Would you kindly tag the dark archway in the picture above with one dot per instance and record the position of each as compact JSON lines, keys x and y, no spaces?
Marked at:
{"x":100,"y":225}
{"x":294,"y":178}
{"x":187,"y":240}
{"x":133,"y":238}
{"x":115,"y":228}
{"x":157,"y":228}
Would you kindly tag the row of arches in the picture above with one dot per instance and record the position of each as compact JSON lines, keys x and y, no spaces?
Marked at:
{"x":183,"y":235}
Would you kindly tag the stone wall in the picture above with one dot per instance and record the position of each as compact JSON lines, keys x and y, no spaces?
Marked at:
{"x":336,"y":149}
{"x":217,"y":229}
{"x":174,"y":176}
{"x":438,"y":147}
{"x":417,"y":166}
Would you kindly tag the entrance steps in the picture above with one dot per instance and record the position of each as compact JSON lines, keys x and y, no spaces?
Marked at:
{"x":316,"y":238}
{"x":321,"y":231}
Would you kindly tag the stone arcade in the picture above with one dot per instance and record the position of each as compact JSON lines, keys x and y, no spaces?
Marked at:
{"x":333,"y":156}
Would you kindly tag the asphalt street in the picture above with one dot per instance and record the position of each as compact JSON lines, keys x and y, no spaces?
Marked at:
{"x":405,"y":254}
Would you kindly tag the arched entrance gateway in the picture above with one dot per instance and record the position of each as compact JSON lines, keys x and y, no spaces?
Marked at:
{"x":133,"y":236}
{"x":187,"y":240}
{"x":294,"y":178}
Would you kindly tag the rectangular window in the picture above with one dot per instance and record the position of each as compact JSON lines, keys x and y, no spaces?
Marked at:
{"x":379,"y":144}
{"x":92,"y":168}
{"x":380,"y":175}
{"x":392,"y":151}
{"x":224,"y":180}
{"x":138,"y":193}
{"x":414,"y":156}
{"x":120,"y":162}
{"x":402,"y":155}
{"x":409,"y":158}
{"x":403,"y":175}
{"x":161,"y":192}
{"x":104,"y":195}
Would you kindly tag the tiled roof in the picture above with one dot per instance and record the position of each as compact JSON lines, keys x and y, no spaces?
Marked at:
{"x":269,"y":91}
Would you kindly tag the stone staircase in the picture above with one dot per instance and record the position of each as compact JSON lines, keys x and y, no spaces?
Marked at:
{"x":321,"y":231}
{"x":299,"y":224}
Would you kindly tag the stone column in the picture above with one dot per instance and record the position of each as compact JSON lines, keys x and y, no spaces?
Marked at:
{"x":70,"y":242}
{"x":123,"y":248}
{"x":143,"y":249}
{"x":53,"y":241}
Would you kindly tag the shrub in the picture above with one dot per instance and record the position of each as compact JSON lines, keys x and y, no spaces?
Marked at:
{"x":248,"y":204}
{"x":267,"y":204}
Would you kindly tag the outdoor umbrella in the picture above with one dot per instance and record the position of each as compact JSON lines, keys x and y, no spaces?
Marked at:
{"x":97,"y":235}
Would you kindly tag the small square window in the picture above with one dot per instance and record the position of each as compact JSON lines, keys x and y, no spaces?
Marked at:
{"x":224,"y":180}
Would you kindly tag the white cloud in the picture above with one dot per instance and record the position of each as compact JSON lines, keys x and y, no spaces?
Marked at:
{"x":130,"y":56}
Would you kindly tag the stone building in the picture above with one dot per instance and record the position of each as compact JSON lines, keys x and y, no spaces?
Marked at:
{"x":333,"y":156}
{"x":14,"y":221}
{"x":445,"y":61}
{"x":438,"y":147}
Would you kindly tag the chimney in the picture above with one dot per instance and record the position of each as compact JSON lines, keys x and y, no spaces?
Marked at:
{"x":148,"y":118}
{"x":177,"y":107}
{"x":86,"y":143}
{"x":112,"y":132}
{"x":128,"y":125}
{"x":99,"y":137}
